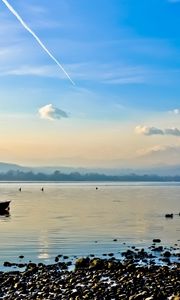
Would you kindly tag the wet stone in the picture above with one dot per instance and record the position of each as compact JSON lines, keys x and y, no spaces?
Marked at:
{"x":156,"y":241}
{"x":7,"y":264}
{"x":169,"y":216}
{"x":167,"y":254}
{"x":65,"y":257}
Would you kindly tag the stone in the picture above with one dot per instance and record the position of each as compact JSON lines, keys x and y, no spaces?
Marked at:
{"x":111,"y":254}
{"x":96,"y":263}
{"x":167,"y":254}
{"x":156,"y":240}
{"x":56,"y":259}
{"x":82,"y":262}
{"x":169,"y":216}
{"x":65,"y":257}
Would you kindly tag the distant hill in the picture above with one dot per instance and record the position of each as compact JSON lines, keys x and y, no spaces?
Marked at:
{"x":57,"y":176}
{"x":162,"y":170}
{"x":5,"y":167}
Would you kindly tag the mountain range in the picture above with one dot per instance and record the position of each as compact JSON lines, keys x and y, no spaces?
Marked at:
{"x":160,"y":170}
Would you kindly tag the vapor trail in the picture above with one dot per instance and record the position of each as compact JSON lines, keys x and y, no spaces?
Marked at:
{"x":36,"y":38}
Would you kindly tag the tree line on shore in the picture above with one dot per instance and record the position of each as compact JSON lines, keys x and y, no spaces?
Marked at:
{"x":76,"y":176}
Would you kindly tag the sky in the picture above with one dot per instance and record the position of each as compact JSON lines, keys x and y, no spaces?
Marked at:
{"x":114,"y":99}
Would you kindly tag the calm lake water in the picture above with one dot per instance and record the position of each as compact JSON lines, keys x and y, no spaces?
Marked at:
{"x":76,"y":219}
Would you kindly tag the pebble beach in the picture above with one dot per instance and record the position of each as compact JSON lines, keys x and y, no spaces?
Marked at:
{"x":95,"y":278}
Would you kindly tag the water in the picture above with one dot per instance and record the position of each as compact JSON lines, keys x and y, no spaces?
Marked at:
{"x":78,"y":219}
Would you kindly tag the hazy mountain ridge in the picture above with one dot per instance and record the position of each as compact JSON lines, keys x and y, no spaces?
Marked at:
{"x":5,"y":167}
{"x":155,"y":170}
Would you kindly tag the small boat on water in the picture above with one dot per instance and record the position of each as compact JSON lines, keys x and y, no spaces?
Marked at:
{"x":4,"y":206}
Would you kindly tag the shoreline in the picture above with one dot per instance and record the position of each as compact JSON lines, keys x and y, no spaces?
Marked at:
{"x":92,"y":279}
{"x":155,"y":253}
{"x":95,"y":278}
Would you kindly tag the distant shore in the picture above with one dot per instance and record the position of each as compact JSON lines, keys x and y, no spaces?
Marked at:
{"x":57,"y":176}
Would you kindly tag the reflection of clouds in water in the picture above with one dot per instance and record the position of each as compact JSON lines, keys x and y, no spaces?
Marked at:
{"x":43,"y":245}
{"x":69,"y":219}
{"x":63,"y":217}
{"x":118,"y":201}
{"x":5,"y":216}
{"x":43,"y":256}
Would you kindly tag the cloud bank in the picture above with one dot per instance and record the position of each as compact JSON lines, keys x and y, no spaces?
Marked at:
{"x":160,"y":154}
{"x":159,"y":149}
{"x":149,"y":131}
{"x":50,"y":112}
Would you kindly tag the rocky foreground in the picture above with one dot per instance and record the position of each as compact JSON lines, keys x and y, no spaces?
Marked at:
{"x":92,"y":278}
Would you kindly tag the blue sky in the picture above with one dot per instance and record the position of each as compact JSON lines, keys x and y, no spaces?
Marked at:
{"x":124,"y":57}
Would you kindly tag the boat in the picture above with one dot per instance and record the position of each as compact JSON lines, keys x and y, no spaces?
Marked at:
{"x":4,"y":206}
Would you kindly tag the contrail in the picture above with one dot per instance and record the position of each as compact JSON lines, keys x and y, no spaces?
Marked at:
{"x":36,"y":38}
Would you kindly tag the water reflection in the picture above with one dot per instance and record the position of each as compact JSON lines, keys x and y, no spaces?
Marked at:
{"x":43,"y":245}
{"x":5,"y":215}
{"x":69,"y":218}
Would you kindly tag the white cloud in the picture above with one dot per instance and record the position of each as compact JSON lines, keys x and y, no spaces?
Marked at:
{"x":42,"y":71}
{"x":175,"y":111}
{"x":107,"y":74}
{"x":145,"y":130}
{"x":111,"y":74}
{"x":172,"y":131}
{"x":148,"y":130}
{"x":52,"y":113}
